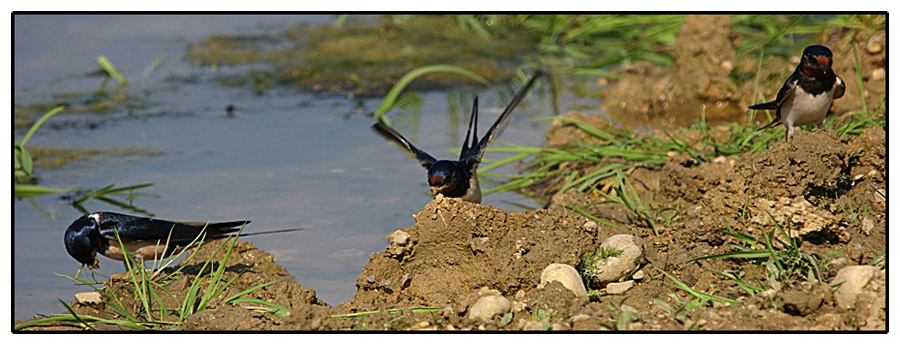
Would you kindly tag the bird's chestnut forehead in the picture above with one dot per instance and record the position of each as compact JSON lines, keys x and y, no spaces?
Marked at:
{"x":822,"y":60}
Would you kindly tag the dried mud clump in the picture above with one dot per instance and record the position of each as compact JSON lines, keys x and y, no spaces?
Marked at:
{"x":814,"y":163}
{"x":457,"y":247}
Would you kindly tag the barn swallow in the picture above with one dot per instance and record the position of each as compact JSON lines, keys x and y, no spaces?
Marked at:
{"x":807,"y":94}
{"x":457,"y":178}
{"x":144,"y":238}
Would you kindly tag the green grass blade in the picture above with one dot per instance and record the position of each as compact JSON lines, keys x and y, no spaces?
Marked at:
{"x":390,"y":99}
{"x":38,"y":123}
{"x":108,"y":66}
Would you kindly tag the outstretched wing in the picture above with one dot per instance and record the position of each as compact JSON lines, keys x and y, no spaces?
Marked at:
{"x":386,"y":131}
{"x":473,"y":155}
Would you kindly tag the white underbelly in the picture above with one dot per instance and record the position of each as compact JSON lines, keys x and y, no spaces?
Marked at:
{"x":474,"y":192}
{"x":804,"y":109}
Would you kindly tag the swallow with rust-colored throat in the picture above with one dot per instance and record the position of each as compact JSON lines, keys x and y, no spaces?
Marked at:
{"x":807,"y":94}
{"x":457,"y":178}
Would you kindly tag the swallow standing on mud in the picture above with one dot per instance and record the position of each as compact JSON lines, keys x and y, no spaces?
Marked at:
{"x":457,"y":179}
{"x":807,"y":94}
{"x":144,"y":238}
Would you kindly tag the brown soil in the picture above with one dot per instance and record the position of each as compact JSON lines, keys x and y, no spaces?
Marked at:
{"x":705,"y":77}
{"x":457,"y":249}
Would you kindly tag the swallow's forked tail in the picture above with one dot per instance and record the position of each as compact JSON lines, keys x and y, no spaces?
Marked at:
{"x":765,"y":106}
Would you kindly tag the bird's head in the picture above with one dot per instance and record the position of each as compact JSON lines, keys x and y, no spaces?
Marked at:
{"x":445,"y":177}
{"x":82,"y":240}
{"x":816,"y":60}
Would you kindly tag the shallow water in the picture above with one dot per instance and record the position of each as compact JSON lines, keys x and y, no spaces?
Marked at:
{"x":286,"y":159}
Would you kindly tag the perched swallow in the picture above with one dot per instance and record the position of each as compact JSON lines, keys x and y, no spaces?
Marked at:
{"x":144,"y":238}
{"x":807,"y":93}
{"x":457,"y":179}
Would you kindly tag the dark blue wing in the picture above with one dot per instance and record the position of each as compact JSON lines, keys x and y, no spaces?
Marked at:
{"x":425,"y":159}
{"x":140,"y":228}
{"x":473,"y":155}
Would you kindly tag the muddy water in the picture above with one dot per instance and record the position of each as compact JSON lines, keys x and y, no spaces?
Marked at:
{"x":285,"y":159}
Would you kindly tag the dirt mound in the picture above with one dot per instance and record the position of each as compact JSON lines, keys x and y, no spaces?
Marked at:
{"x":457,"y":247}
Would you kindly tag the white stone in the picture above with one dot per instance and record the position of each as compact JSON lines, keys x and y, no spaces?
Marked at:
{"x":488,"y":306}
{"x":399,"y":237}
{"x":868,"y":225}
{"x":615,"y":267}
{"x":619,"y":288}
{"x":638,"y":275}
{"x":88,"y":298}
{"x":566,"y":275}
{"x":854,"y":279}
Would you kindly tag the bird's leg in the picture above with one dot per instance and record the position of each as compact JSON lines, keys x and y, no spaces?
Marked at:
{"x":79,"y":271}
{"x":820,"y":125}
{"x":789,"y":134}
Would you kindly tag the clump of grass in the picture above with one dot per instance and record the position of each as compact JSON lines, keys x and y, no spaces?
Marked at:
{"x":782,"y":259}
{"x":590,"y":259}
{"x":856,"y":213}
{"x":623,"y":315}
{"x":704,"y":298}
{"x":148,"y":289}
{"x":590,"y":43}
{"x":625,"y":195}
{"x":544,"y":316}
{"x":683,"y":311}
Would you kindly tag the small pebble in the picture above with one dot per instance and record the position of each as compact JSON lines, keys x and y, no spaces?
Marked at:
{"x":619,"y":288}
{"x":520,"y":295}
{"x":875,"y":44}
{"x":878,"y":74}
{"x":488,"y":306}
{"x":638,"y":275}
{"x":837,"y":261}
{"x":399,"y":237}
{"x":868,"y":225}
{"x":88,"y":298}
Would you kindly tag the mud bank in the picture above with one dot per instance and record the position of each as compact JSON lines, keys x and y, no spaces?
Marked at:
{"x":459,"y":252}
